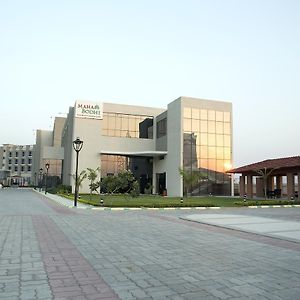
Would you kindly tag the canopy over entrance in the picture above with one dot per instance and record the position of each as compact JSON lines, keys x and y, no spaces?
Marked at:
{"x":265,"y":172}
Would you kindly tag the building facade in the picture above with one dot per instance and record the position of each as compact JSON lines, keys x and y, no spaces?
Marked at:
{"x":16,"y":168}
{"x":48,"y":150}
{"x":193,"y":134}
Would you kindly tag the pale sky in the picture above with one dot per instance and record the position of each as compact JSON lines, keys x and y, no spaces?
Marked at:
{"x":150,"y":52}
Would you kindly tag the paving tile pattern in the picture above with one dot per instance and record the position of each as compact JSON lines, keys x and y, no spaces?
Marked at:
{"x":142,"y":257}
{"x":22,"y":272}
{"x":70,"y":275}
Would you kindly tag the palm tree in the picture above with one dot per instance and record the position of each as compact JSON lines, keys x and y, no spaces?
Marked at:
{"x":80,"y":179}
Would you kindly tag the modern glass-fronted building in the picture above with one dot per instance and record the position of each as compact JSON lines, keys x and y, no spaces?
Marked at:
{"x":193,"y":134}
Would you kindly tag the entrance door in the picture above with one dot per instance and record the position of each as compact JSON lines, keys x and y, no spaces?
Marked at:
{"x":161,"y":183}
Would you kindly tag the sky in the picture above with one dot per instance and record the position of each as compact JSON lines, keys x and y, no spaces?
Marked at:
{"x":150,"y":52}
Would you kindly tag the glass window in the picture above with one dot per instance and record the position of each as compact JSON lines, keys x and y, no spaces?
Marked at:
{"x":220,"y":140}
{"x":227,"y":128}
{"x":227,"y":142}
{"x":211,"y":139}
{"x":187,"y":112}
{"x":211,"y":115}
{"x":227,"y":153}
{"x":16,"y":161}
{"x":195,"y":113}
{"x":220,"y":166}
{"x":16,"y":169}
{"x":17,"y":153}
{"x":203,"y":139}
{"x":212,"y":164}
{"x":203,"y":126}
{"x":220,"y":152}
{"x":211,"y":126}
{"x":203,"y":163}
{"x":227,"y":116}
{"x":22,"y":168}
{"x":195,"y":125}
{"x":211,"y":152}
{"x":219,"y":116}
{"x":203,"y":152}
{"x":161,"y":128}
{"x":187,"y":126}
{"x":203,"y":114}
{"x":111,"y":122}
{"x":219,"y":127}
{"x":28,"y":168}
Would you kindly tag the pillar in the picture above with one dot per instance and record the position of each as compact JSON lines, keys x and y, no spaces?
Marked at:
{"x":249,"y":186}
{"x":242,"y":186}
{"x":290,"y":185}
{"x":279,"y":185}
{"x":260,"y":187}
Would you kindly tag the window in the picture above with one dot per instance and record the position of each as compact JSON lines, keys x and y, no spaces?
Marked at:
{"x":22,"y":168}
{"x":23,"y":161}
{"x":30,"y":153}
{"x":9,"y":153}
{"x":129,"y":126}
{"x":23,"y":153}
{"x":29,"y":168}
{"x":16,"y":168}
{"x":17,"y":153}
{"x":161,"y":128}
{"x":9,"y":161}
{"x":29,"y":160}
{"x":16,"y":161}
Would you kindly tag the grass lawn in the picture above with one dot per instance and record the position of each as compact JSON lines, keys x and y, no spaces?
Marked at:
{"x":158,"y":201}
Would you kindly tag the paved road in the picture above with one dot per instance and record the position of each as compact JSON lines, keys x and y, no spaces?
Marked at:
{"x":49,"y":251}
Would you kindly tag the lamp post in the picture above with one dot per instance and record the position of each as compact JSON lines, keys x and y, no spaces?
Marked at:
{"x":40,"y":179}
{"x":47,"y":165}
{"x":77,"y":145}
{"x":35,"y":183}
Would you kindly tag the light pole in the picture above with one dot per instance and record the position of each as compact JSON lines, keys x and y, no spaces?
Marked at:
{"x":77,"y":145}
{"x":47,"y":165}
{"x":35,"y":182}
{"x":41,"y":179}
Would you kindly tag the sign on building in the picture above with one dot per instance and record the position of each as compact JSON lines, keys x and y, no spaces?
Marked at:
{"x":88,"y":110}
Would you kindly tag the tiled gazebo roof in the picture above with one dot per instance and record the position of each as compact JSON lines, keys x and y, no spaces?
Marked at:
{"x":278,"y":163}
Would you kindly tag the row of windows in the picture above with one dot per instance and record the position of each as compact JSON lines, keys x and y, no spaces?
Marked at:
{"x":191,"y":125}
{"x":204,"y":114}
{"x":22,"y":169}
{"x":130,"y":126}
{"x":17,"y":153}
{"x":22,"y":161}
{"x":211,"y":164}
{"x":210,"y":139}
{"x":191,"y":152}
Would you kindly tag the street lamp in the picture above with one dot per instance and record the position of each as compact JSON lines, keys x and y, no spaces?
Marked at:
{"x":41,"y":179}
{"x":35,"y":182}
{"x":77,"y":145}
{"x":47,"y":165}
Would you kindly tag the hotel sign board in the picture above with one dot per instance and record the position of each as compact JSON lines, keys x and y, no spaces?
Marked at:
{"x":89,"y":110}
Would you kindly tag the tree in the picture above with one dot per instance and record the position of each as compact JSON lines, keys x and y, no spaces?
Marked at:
{"x":190,"y":178}
{"x":80,"y":179}
{"x":265,"y":173}
{"x":92,"y":176}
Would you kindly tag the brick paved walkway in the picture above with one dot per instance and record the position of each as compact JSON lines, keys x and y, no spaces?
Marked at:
{"x":52,"y":252}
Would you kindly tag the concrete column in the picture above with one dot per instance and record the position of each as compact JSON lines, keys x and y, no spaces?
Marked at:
{"x":249,"y":186}
{"x":242,"y":186}
{"x":259,"y":187}
{"x":290,"y":185}
{"x":279,"y":182}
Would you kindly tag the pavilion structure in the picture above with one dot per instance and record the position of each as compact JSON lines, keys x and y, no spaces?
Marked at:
{"x":268,"y":176}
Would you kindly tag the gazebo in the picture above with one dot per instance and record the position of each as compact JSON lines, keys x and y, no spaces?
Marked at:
{"x":264,"y":172}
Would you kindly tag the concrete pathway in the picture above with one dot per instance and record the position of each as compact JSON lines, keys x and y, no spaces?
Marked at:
{"x":266,"y":226}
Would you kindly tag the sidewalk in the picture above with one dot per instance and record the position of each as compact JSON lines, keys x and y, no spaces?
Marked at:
{"x":64,"y":201}
{"x":287,"y":230}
